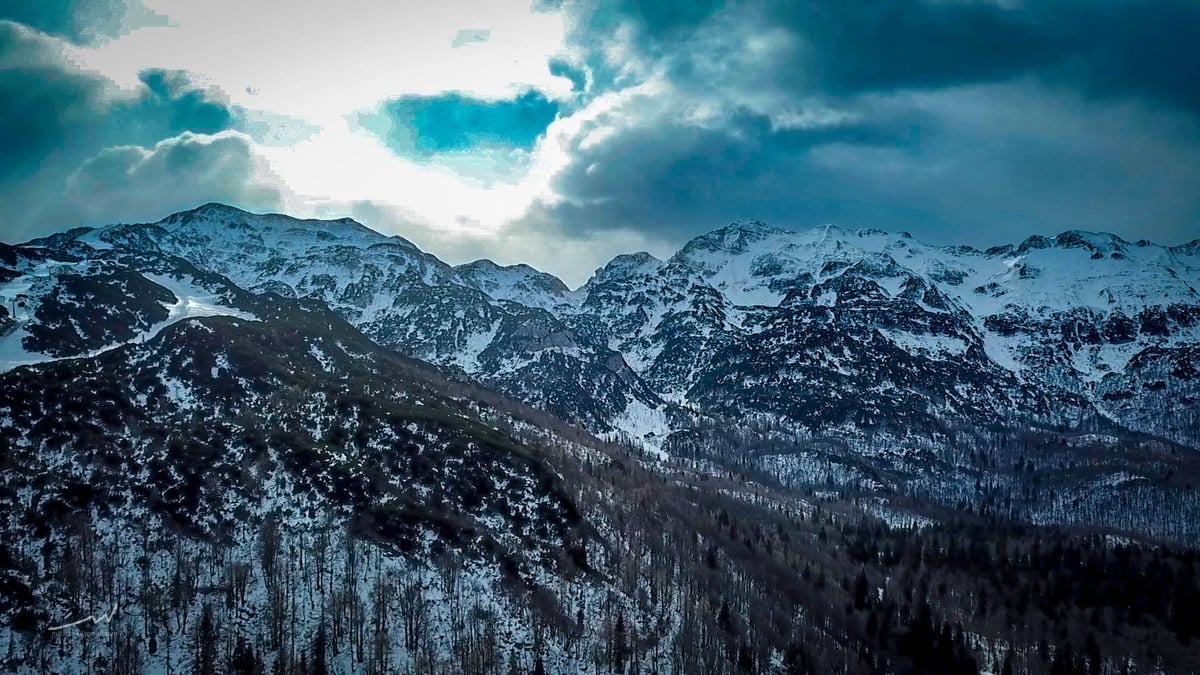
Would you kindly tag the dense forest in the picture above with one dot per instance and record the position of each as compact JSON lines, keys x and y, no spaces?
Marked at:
{"x":695,"y":570}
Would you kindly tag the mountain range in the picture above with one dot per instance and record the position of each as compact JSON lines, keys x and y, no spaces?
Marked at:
{"x":747,"y":319}
{"x":825,"y":335}
{"x":225,"y":372}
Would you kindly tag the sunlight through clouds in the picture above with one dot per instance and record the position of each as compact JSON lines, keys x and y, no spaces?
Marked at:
{"x":321,"y":61}
{"x":298,"y":74}
{"x":479,"y":123}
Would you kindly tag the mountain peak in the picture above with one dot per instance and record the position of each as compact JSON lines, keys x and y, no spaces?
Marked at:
{"x":207,"y":211}
{"x":639,"y":258}
{"x":504,"y":280}
{"x":215,"y":219}
{"x":1190,"y":248}
{"x":1102,"y":242}
{"x":1099,"y":243}
{"x":217,"y":207}
{"x":752,"y":225}
{"x":829,"y":230}
{"x":733,"y":238}
{"x":627,"y":264}
{"x":491,"y":265}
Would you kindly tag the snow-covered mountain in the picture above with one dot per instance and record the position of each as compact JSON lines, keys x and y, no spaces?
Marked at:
{"x":822,"y":331}
{"x":828,"y":327}
{"x":163,"y":428}
{"x":518,"y":283}
{"x":229,"y":420}
{"x":490,"y":322}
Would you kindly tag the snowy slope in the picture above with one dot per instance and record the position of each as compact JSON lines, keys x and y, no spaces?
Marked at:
{"x":51,"y":291}
{"x":517,"y":283}
{"x":1065,"y":312}
{"x":751,"y":319}
{"x":181,"y":397}
{"x":488,"y":321}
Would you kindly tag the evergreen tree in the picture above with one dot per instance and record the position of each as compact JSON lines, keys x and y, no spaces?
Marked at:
{"x":244,"y":660}
{"x":745,"y":660}
{"x":319,"y":659}
{"x":205,"y":650}
{"x":620,"y":644}
{"x":861,"y":590}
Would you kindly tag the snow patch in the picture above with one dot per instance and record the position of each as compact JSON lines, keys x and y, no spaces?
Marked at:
{"x":936,"y":345}
{"x":647,"y":426}
{"x":190,"y":303}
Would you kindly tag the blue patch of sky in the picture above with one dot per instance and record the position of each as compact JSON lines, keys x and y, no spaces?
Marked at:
{"x":485,"y":140}
{"x":453,"y":122}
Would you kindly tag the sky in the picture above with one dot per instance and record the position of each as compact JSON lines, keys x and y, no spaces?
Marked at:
{"x":562,"y":133}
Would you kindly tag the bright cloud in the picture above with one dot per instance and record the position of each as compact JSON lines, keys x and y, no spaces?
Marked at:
{"x":300,"y":76}
{"x":320,"y":61}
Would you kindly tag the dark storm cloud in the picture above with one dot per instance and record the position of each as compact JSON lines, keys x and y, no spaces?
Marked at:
{"x":189,"y":108}
{"x":43,"y":101}
{"x":678,"y":178}
{"x":56,"y":117}
{"x":983,"y":165}
{"x":961,"y":121}
{"x":1105,"y":47}
{"x":49,"y":106}
{"x":1122,"y":48}
{"x":1150,"y":49}
{"x":676,"y":181}
{"x":851,"y":46}
{"x":72,"y":19}
{"x":168,"y":105}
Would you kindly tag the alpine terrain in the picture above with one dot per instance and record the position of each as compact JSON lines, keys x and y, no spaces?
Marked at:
{"x":246,"y":443}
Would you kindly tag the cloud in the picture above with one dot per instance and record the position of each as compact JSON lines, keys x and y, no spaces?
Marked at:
{"x":592,"y":126}
{"x":998,"y":162}
{"x":56,"y":114}
{"x":49,"y":103}
{"x":1104,"y":48}
{"x":1122,"y":49}
{"x":163,"y":105}
{"x":982,"y":164}
{"x":44,"y":100}
{"x":190,"y":108}
{"x":470,"y":36}
{"x":561,"y":68}
{"x":136,"y":184}
{"x":81,"y":20}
